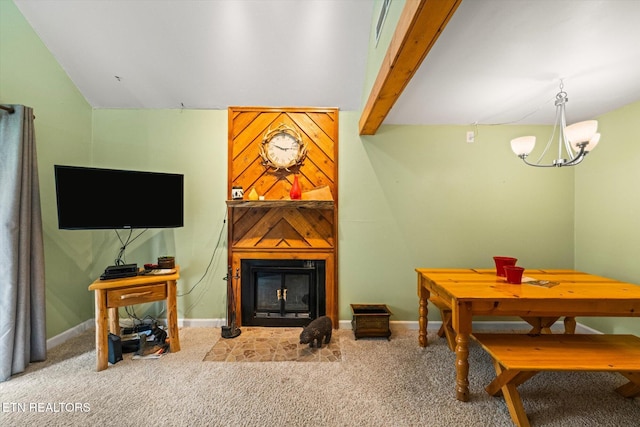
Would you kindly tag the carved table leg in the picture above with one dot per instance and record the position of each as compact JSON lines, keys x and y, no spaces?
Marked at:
{"x":461,"y":316}
{"x":423,"y":320}
{"x":462,"y":366}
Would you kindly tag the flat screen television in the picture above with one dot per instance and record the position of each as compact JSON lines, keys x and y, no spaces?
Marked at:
{"x":93,"y":198}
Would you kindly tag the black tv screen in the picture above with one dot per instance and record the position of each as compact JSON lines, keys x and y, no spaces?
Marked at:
{"x":93,"y":198}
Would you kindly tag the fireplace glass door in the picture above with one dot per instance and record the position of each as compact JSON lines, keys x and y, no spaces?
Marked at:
{"x":281,"y":293}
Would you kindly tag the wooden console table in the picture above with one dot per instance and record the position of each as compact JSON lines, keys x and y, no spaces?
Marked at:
{"x":115,"y":293}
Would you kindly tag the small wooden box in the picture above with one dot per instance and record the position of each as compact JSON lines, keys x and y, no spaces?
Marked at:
{"x":370,"y":320}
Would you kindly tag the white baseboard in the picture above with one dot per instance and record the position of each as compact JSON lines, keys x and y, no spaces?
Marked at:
{"x":342,"y":324}
{"x":522,"y":325}
{"x":396,"y":324}
{"x":70,"y":333}
{"x":584,"y":329}
{"x":477,"y":326}
{"x":201,"y":323}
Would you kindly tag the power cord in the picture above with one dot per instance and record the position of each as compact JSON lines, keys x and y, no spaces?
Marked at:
{"x":224,"y":222}
{"x":120,"y":259}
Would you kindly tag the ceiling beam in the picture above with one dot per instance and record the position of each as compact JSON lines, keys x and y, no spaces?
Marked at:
{"x":419,"y":26}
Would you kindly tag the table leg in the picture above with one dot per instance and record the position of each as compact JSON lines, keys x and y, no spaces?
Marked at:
{"x":461,"y":316}
{"x":114,"y":321}
{"x":569,"y":325}
{"x":102,"y":334}
{"x":423,"y":319}
{"x":423,"y":312}
{"x":172,"y":316}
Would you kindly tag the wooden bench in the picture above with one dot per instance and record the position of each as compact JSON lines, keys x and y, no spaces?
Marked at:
{"x":519,"y":357}
{"x":538,"y":324}
{"x":446,"y":329}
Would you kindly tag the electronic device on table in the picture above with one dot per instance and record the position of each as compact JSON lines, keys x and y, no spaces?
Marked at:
{"x":119,"y":271}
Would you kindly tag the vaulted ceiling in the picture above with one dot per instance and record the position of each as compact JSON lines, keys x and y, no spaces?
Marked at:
{"x":496,"y":61}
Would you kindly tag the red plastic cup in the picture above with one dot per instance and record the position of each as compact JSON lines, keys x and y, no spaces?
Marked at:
{"x":501,"y":262}
{"x":514,"y":274}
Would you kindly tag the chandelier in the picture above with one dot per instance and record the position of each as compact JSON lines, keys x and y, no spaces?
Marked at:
{"x":576,"y":140}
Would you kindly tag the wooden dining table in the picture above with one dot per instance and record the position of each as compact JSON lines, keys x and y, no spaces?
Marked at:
{"x":546,"y":294}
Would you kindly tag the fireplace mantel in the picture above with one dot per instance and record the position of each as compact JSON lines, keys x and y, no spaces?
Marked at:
{"x":303,"y":204}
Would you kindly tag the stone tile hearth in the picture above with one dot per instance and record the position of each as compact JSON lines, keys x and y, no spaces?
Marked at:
{"x":263,"y":344}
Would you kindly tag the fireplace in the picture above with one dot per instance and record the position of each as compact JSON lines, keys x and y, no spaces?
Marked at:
{"x":282,"y":292}
{"x":278,"y":228}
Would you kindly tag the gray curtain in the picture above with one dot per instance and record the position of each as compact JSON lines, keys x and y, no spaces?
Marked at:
{"x":22,"y":290}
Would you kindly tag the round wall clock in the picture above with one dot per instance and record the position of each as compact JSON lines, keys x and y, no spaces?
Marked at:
{"x":282,"y":148}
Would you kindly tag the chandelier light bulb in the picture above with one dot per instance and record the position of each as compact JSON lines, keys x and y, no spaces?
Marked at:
{"x":581,"y":131}
{"x":523,"y":145}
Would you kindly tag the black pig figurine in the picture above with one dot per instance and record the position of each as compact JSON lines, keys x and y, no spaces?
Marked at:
{"x":317,"y":330}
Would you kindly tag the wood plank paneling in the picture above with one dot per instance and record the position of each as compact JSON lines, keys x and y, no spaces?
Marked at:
{"x":284,"y":232}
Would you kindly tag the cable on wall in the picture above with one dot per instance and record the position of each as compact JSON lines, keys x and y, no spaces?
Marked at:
{"x":211,"y":262}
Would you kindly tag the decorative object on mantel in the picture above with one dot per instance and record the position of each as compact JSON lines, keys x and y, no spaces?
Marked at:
{"x":296,"y":191}
{"x":237,"y":193}
{"x":282,"y":148}
{"x":319,"y":193}
{"x":253,"y":194}
{"x":578,"y":139}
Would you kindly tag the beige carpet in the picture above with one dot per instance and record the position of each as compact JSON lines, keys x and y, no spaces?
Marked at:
{"x":257,"y":344}
{"x":377,"y":383}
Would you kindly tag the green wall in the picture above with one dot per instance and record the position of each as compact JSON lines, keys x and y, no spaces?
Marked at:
{"x":193,"y":143}
{"x":29,"y":75}
{"x":607,"y":204}
{"x":410,"y":196}
{"x":420,"y":196}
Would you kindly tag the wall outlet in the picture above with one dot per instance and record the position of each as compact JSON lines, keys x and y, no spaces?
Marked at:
{"x":471,"y":136}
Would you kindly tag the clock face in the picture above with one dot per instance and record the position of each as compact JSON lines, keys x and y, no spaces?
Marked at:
{"x":283,"y":150}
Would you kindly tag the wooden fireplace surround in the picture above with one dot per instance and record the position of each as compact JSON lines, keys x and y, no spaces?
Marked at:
{"x":276,"y":227}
